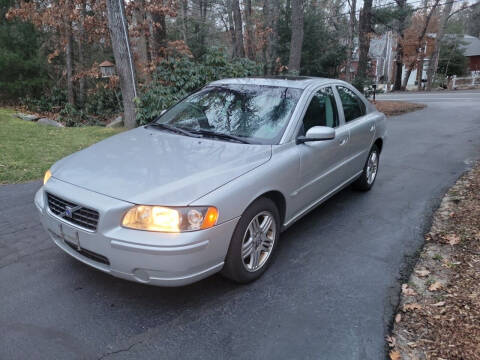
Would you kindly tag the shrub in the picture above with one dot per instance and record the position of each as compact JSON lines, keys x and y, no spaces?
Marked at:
{"x":56,"y":99}
{"x":72,"y":117}
{"x":103,"y":102}
{"x":175,"y":78}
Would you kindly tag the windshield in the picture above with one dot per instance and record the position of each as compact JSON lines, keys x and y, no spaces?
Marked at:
{"x":251,"y":112}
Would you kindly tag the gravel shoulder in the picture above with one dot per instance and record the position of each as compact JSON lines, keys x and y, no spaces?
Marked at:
{"x":439,"y":312}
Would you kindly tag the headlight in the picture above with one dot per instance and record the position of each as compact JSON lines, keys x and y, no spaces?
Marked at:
{"x":48,"y":175}
{"x":159,"y":218}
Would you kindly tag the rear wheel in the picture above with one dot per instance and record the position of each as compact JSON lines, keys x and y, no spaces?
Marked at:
{"x":253,"y":242}
{"x":370,"y":170}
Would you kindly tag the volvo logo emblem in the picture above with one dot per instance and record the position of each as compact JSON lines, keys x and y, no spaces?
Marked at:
{"x":69,"y":210}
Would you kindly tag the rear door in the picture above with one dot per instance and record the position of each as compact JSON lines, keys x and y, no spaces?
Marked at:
{"x":361,"y":127}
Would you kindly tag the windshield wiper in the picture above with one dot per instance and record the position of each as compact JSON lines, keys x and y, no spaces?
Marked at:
{"x":173,"y":129}
{"x":220,"y":136}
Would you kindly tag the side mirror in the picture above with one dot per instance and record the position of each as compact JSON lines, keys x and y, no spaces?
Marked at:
{"x":317,"y":133}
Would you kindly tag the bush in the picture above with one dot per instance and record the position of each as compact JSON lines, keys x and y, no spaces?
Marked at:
{"x":104,"y":102}
{"x":175,"y":78}
{"x":72,"y":117}
{"x":46,"y":103}
{"x":101,"y":104}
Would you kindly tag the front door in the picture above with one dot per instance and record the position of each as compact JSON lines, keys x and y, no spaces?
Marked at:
{"x":320,"y":161}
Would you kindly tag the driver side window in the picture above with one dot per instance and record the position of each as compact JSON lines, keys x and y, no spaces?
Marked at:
{"x":322,"y":110}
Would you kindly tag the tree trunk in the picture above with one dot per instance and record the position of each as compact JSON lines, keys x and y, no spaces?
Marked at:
{"x":419,"y":48}
{"x":420,"y":69}
{"x":351,"y":35}
{"x":81,"y":80}
{"x":270,"y":17}
{"x":433,"y":63}
{"x":69,"y":64}
{"x":250,"y":32}
{"x":117,"y":24}
{"x":141,"y":41}
{"x":399,"y":57}
{"x":159,"y":33}
{"x":203,"y":21}
{"x":184,"y":8}
{"x":296,"y":41}
{"x":365,"y":28}
{"x":231,"y":28}
{"x":81,"y":59}
{"x":407,"y":76}
{"x":237,"y":19}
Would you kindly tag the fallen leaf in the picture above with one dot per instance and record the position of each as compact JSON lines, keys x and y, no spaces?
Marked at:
{"x":395,"y":355}
{"x":422,"y":273}
{"x":412,"y":306}
{"x":391,"y":341}
{"x":440,"y":303}
{"x":398,"y":318}
{"x":408,"y":291}
{"x":435,"y":286}
{"x":453,"y":239}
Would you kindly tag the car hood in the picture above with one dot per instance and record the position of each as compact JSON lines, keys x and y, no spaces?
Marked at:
{"x":150,"y":166}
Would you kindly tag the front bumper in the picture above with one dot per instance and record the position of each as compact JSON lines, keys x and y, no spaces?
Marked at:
{"x":164,"y":259}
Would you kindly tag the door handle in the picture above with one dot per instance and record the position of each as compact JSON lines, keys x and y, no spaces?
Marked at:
{"x":344,"y":141}
{"x":372,"y":128}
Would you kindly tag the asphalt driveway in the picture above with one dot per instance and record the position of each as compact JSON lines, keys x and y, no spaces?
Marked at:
{"x":329,"y":294}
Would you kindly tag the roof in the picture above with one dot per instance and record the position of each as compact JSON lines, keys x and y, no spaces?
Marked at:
{"x":471,"y":46}
{"x":298,"y":82}
{"x":106,"y":63}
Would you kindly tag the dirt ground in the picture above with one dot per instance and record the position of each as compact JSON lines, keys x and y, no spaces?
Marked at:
{"x":391,"y":108}
{"x":439,"y":311}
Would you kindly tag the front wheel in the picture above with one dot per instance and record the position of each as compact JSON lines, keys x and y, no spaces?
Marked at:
{"x":370,"y":170}
{"x":253,"y":242}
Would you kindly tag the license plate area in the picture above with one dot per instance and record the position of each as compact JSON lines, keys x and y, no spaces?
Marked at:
{"x":69,"y":235}
{"x":71,"y":238}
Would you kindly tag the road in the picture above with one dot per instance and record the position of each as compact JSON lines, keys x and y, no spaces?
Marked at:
{"x":330,"y":293}
{"x":464,"y":96}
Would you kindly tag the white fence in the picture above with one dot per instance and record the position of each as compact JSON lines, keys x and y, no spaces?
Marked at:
{"x":472,"y":81}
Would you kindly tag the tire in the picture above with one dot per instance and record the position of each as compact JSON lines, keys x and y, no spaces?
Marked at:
{"x":367,"y":178}
{"x":258,"y":247}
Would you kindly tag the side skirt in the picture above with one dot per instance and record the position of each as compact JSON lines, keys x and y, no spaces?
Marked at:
{"x":319,"y":201}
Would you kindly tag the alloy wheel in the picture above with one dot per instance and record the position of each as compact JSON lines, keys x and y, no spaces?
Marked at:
{"x":258,"y":241}
{"x":372,"y":167}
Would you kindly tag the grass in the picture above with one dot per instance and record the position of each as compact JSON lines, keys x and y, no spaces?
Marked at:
{"x":28,"y":149}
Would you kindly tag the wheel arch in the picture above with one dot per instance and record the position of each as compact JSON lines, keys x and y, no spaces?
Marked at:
{"x":379,"y":143}
{"x":280,"y":201}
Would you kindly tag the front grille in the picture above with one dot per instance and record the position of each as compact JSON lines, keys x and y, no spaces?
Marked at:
{"x":84,"y":217}
{"x":89,"y":254}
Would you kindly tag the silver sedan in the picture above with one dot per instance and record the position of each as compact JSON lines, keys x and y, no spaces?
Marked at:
{"x":211,"y":183}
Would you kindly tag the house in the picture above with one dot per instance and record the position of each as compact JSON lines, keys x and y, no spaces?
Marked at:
{"x":382,"y":54}
{"x":471,"y":46}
